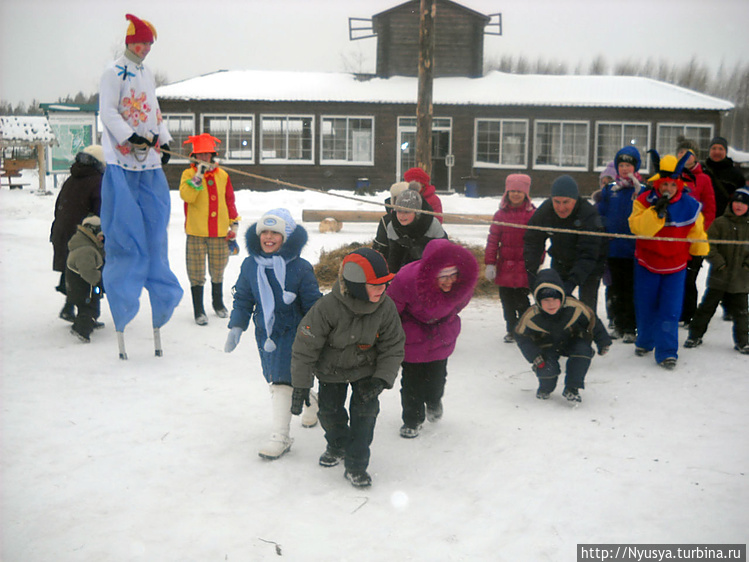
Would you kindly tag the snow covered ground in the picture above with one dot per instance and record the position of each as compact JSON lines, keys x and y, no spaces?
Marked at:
{"x":154,"y":459}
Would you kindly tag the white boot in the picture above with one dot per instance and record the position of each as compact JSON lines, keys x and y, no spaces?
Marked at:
{"x":279,"y":441}
{"x":309,"y":414}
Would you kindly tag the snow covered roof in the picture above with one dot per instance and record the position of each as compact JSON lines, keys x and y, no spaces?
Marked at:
{"x":26,"y":129}
{"x":495,"y":88}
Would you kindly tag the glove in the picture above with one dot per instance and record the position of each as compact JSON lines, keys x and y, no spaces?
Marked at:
{"x":232,"y":234}
{"x":490,"y":272}
{"x":138,"y":141}
{"x":232,"y":339}
{"x":569,"y":286}
{"x":299,"y":397}
{"x":165,"y":156}
{"x":538,"y":364}
{"x":660,"y":206}
{"x":603,"y":349}
{"x":370,"y":388}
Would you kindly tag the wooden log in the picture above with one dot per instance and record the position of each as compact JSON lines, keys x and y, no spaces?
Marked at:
{"x":317,"y":215}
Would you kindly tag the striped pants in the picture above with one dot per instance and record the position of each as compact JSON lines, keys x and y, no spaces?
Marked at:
{"x":217,"y":251}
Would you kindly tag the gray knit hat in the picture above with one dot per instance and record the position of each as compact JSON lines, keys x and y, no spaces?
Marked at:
{"x":410,"y":200}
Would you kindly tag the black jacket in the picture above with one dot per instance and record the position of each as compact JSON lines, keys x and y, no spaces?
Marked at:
{"x":574,"y":256}
{"x":538,"y":331}
{"x":726,"y":179}
{"x":79,"y":196}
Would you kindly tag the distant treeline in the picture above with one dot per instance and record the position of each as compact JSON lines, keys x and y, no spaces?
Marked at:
{"x":730,"y":84}
{"x":726,"y":83}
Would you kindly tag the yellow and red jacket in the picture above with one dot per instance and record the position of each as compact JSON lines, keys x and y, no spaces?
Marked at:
{"x":683,"y":220}
{"x":210,"y":211}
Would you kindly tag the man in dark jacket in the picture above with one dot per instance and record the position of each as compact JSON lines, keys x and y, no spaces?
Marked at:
{"x":726,"y":177}
{"x":577,"y":257}
{"x":79,"y":196}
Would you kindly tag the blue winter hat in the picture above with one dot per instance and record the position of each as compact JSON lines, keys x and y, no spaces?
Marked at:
{"x":565,"y":186}
{"x":630,"y":155}
{"x":277,"y":220}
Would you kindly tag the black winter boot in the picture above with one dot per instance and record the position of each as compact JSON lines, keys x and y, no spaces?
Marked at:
{"x":217,"y":291}
{"x":68,"y":312}
{"x":197,"y":305}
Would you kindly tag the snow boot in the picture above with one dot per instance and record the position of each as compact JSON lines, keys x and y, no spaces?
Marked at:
{"x":571,"y":394}
{"x":692,"y":342}
{"x":434,"y":412}
{"x":217,"y":292}
{"x":668,"y":363}
{"x":408,"y":432}
{"x":68,"y":312}
{"x":331,"y":456}
{"x":509,"y":338}
{"x":629,"y":337}
{"x":309,"y":414}
{"x":359,"y":479}
{"x":279,"y":441}
{"x":743,"y":349}
{"x":197,"y":305}
{"x":542,"y":395}
{"x":80,"y":335}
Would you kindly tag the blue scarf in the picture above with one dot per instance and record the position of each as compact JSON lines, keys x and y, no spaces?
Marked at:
{"x":267,"y":300}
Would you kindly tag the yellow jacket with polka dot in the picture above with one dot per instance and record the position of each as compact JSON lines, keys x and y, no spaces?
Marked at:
{"x":210,"y":210}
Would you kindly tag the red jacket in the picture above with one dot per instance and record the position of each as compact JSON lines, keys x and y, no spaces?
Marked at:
{"x":698,"y":184}
{"x":504,"y":245}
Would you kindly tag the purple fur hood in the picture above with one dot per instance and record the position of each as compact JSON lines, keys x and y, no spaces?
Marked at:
{"x":429,"y":315}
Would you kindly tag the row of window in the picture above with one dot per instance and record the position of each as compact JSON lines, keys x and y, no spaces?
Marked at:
{"x":498,"y":143}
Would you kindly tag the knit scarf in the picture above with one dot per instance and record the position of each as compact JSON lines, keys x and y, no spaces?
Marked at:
{"x":267,"y":300}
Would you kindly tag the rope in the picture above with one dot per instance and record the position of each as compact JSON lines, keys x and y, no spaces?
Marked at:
{"x":468,"y":218}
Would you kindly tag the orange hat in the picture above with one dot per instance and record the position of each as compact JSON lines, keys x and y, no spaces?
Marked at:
{"x":204,"y":143}
{"x":139,"y":31}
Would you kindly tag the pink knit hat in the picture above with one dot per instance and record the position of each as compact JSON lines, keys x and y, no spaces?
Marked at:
{"x":518,"y":182}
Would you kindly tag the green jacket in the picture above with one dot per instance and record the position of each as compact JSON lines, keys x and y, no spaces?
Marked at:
{"x":729,"y":263}
{"x":343,"y":339}
{"x":86,"y":255}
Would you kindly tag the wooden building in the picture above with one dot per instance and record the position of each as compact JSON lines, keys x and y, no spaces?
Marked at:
{"x":342,"y":131}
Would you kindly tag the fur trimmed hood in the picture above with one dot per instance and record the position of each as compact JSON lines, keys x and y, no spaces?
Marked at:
{"x":439,"y":254}
{"x":291,"y":248}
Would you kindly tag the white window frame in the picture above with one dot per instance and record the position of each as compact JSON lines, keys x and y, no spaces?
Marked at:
{"x":561,"y":122}
{"x":644,"y":160}
{"x":178,"y":146}
{"x":286,"y":161}
{"x":224,"y":137}
{"x":672,"y":149}
{"x":480,"y":164}
{"x":369,"y":161}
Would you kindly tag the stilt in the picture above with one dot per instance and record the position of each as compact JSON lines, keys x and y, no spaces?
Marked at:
{"x":121,"y":345}
{"x":157,"y":342}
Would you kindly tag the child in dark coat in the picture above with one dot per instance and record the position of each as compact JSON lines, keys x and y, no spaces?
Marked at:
{"x":728,"y":280}
{"x":410,"y":230}
{"x":83,"y":276}
{"x":351,"y":337}
{"x":276,"y":287}
{"x":559,"y":325}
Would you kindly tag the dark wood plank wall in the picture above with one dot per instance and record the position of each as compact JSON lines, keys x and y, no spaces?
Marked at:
{"x":382,"y":174}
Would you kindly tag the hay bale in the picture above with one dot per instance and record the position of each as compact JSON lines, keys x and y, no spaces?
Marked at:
{"x":330,"y":224}
{"x":326,"y":269}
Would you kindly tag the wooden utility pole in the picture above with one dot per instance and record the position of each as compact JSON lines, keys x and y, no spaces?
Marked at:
{"x":424,"y":110}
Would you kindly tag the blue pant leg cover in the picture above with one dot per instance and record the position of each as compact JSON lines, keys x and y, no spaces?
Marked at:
{"x":134,"y":214}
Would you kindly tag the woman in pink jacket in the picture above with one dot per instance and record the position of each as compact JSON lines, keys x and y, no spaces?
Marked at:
{"x":429,"y":294}
{"x":503,"y":255}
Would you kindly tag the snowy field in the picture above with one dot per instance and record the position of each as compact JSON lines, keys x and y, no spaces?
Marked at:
{"x":155,"y":459}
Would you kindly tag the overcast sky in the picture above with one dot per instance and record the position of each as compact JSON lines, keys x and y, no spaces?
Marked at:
{"x":52,"y":48}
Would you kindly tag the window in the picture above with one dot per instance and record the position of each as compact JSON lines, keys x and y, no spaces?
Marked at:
{"x":181,"y":126}
{"x":347,"y":140}
{"x":236,"y":133}
{"x":561,"y":144}
{"x":668,"y":134}
{"x":612,"y":137}
{"x":501,"y":142}
{"x":286,"y":139}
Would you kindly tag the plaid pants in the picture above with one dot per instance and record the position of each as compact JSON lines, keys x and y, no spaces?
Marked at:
{"x":217,"y":250}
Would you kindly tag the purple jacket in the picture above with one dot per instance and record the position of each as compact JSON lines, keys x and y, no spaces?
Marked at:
{"x":430,"y":316}
{"x":504,"y":245}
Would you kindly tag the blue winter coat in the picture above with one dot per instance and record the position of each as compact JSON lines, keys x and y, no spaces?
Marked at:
{"x":615,"y":206}
{"x":300,"y":279}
